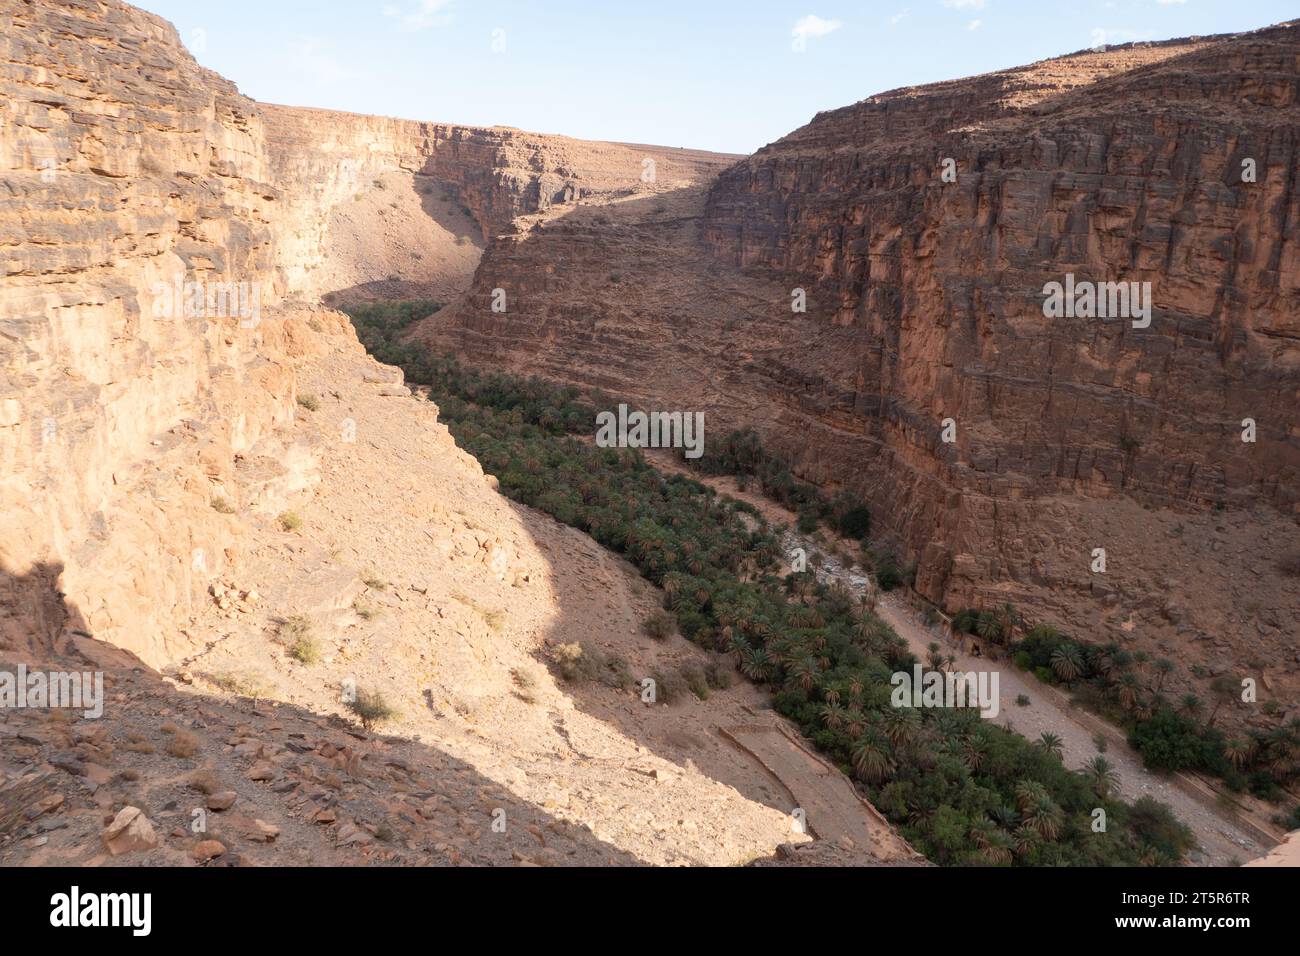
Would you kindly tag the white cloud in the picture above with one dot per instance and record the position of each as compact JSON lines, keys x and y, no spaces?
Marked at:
{"x":964,"y":4}
{"x":422,"y":14}
{"x":899,"y":17}
{"x":1169,"y":3}
{"x":312,"y":57}
{"x":974,"y":24}
{"x":814,"y":26}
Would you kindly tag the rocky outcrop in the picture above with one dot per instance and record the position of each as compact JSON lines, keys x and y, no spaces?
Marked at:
{"x":925,"y":303}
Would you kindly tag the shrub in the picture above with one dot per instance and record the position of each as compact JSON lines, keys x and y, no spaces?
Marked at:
{"x":305,"y":650}
{"x":222,"y":506}
{"x":577,"y":664}
{"x":309,"y":402}
{"x":203,"y":781}
{"x":182,"y":744}
{"x":807,"y":522}
{"x":289,"y":521}
{"x":1155,"y":825}
{"x":660,"y":625}
{"x":718,"y":675}
{"x":1168,"y":741}
{"x":568,"y":660}
{"x":371,"y":708}
{"x":669,"y":686}
{"x":295,"y":634}
{"x":1022,"y":700}
{"x":238,"y":684}
{"x":696,"y":681}
{"x":856,"y":523}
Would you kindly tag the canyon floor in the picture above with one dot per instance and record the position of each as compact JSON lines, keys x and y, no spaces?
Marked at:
{"x":1225,"y":839}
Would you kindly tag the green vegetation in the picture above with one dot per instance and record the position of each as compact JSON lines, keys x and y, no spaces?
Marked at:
{"x":963,"y":790}
{"x":1127,"y":689}
{"x":371,"y":708}
{"x":289,"y":521}
{"x":296,"y":635}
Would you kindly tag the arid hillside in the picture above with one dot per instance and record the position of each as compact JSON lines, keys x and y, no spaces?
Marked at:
{"x":1171,"y":164}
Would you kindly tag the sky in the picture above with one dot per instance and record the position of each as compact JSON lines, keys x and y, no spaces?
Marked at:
{"x":726,"y":75}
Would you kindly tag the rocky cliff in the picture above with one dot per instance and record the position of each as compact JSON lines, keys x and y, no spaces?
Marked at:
{"x":1171,"y":164}
{"x":160,"y":235}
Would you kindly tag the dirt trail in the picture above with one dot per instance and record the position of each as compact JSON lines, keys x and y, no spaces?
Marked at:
{"x":1223,"y":841}
{"x":831,"y":807}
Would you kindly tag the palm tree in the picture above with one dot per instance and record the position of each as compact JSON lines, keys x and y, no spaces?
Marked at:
{"x":987,"y":627}
{"x":1225,"y":690}
{"x":1029,"y":792}
{"x":1044,"y":817}
{"x":1004,"y":817}
{"x":901,"y":725}
{"x":1050,"y":742}
{"x":1101,"y":775}
{"x":871,"y":759}
{"x":1189,"y":704}
{"x":1067,"y":662}
{"x":1007,"y":620}
{"x":755,"y":663}
{"x":1026,"y":838}
{"x":833,"y":716}
{"x":1130,"y":689}
{"x":998,"y":849}
{"x":1237,"y":751}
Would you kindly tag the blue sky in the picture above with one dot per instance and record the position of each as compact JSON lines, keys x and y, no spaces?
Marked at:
{"x":712,"y":74}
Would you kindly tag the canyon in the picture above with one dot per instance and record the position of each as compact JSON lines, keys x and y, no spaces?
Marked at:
{"x":925,"y":306}
{"x":149,"y":461}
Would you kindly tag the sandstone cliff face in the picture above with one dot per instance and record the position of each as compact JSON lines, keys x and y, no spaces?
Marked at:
{"x":1117,"y":166}
{"x":125,"y":168}
{"x":131,"y":178}
{"x":925,"y":303}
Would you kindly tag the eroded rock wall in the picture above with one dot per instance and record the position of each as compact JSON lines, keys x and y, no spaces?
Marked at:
{"x":925,"y":303}
{"x":124,"y":169}
{"x":1125,"y":166}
